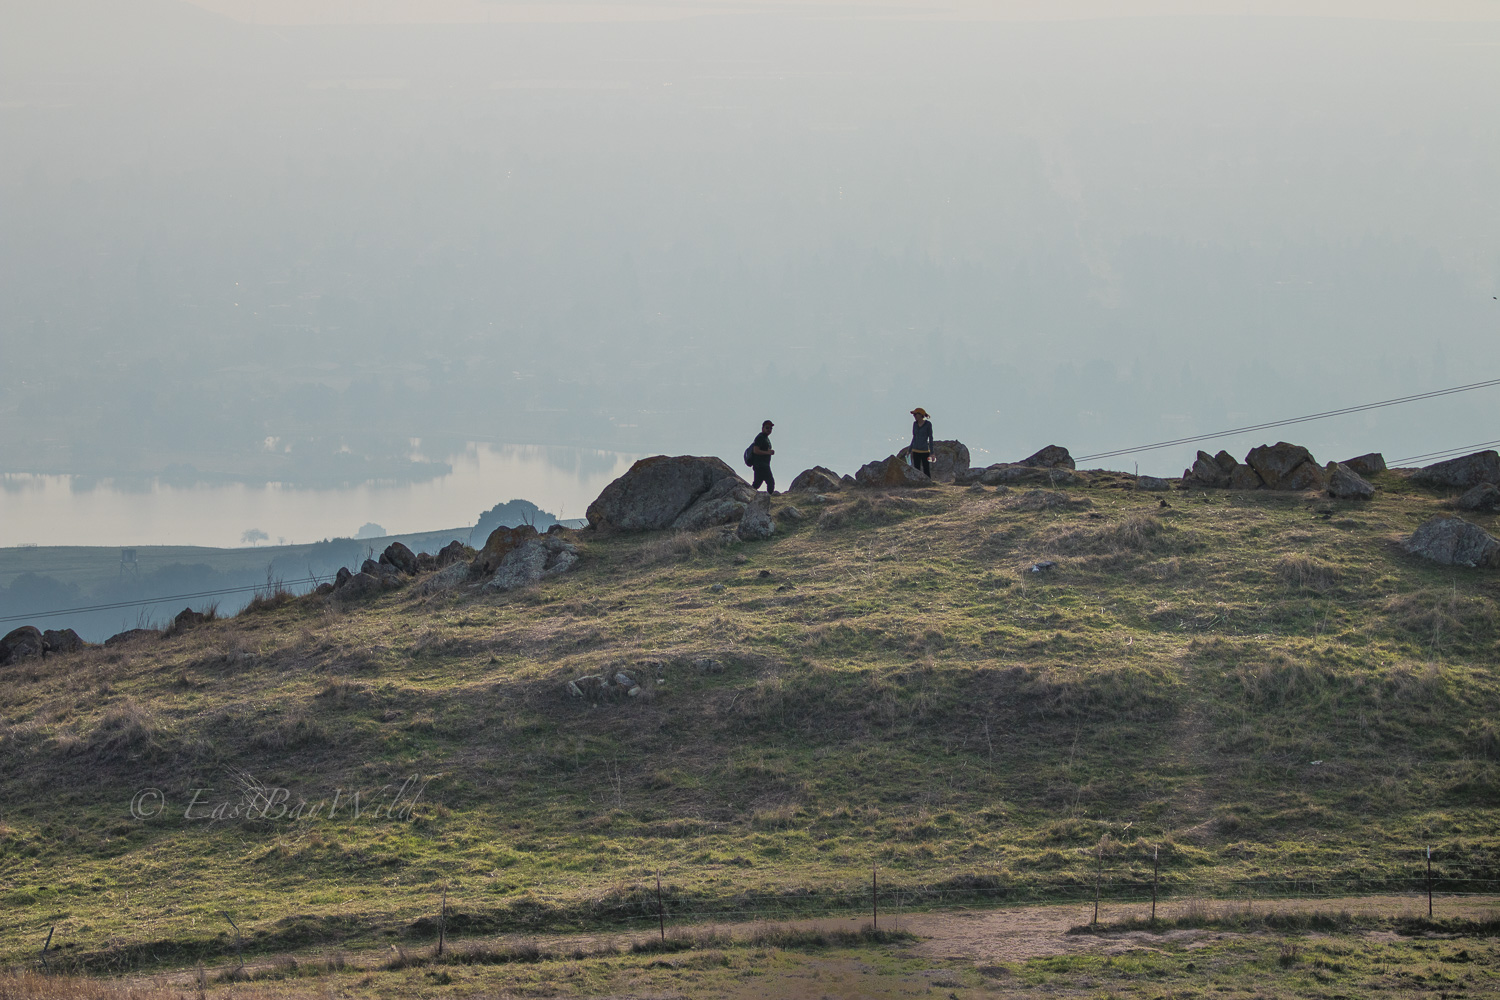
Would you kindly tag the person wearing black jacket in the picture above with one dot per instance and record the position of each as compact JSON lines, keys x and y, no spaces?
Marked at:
{"x":921,"y":442}
{"x":760,"y":454}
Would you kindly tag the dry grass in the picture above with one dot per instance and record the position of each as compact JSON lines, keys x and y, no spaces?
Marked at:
{"x":36,"y":986}
{"x":1298,"y":570}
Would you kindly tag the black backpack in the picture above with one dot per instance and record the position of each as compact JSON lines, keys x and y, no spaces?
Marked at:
{"x":750,"y":456}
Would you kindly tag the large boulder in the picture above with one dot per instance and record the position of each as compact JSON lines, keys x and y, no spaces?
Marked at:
{"x":818,"y":479}
{"x":888,"y":473}
{"x":63,"y":640}
{"x":502,"y":542}
{"x":1461,"y":473}
{"x":1053,"y":456}
{"x":401,"y":557}
{"x":1346,"y":484}
{"x":187,"y":618}
{"x":1011,"y":474}
{"x":1366,"y":465}
{"x":756,"y":525}
{"x":724,"y":503}
{"x":22,"y":644}
{"x":1485,"y":496}
{"x":449,"y":554}
{"x":1283,"y":466}
{"x":950,"y":460}
{"x":1245,"y":478}
{"x":531,"y":561}
{"x":360,"y":585}
{"x":1453,"y":541}
{"x":655,"y":491}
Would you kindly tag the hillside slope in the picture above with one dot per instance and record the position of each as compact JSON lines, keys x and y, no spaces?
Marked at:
{"x":1263,"y":686}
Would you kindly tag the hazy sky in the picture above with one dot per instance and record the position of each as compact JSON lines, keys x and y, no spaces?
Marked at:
{"x":321,"y":241}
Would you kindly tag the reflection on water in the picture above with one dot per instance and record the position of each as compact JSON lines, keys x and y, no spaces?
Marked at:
{"x":74,"y":510}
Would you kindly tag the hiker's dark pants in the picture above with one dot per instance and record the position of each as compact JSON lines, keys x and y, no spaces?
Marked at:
{"x":763,"y":475}
{"x":922,"y":460}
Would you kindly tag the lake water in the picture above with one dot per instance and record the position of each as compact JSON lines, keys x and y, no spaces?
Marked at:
{"x":67,"y":510}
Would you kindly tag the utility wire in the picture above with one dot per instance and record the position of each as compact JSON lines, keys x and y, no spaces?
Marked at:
{"x":153,"y":600}
{"x":1446,"y":453}
{"x":1293,"y":420}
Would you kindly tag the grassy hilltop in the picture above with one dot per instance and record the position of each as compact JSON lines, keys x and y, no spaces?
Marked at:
{"x":1261,"y":685}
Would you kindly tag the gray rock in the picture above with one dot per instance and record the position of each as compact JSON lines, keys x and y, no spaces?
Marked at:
{"x":756,"y":524}
{"x":1011,"y":474}
{"x":708,"y":665}
{"x":1151,"y":484}
{"x":132,"y":635}
{"x":1485,"y":496}
{"x":22,"y":644}
{"x":187,"y":618}
{"x":62,"y":640}
{"x":401,"y":557}
{"x":342,"y":577}
{"x":1366,"y":465}
{"x":818,"y":479}
{"x":790,"y":513}
{"x":323,"y":589}
{"x":889,"y":473}
{"x":655,"y":491}
{"x":1051,"y":457}
{"x":950,"y":460}
{"x":1245,"y":478}
{"x":1461,"y":473}
{"x":360,"y":585}
{"x":532,"y":561}
{"x":1346,"y":484}
{"x":724,"y":503}
{"x":450,"y":576}
{"x":449,"y":554}
{"x":1205,"y":473}
{"x":1453,"y":541}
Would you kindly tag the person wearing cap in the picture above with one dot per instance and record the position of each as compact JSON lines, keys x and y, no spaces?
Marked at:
{"x":761,"y":452}
{"x":921,"y":442}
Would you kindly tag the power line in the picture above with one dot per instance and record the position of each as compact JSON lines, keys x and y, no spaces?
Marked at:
{"x":1293,"y":420}
{"x":1446,"y":453}
{"x":153,"y":600}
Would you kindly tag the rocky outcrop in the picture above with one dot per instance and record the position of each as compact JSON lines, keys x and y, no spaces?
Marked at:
{"x":360,"y":585}
{"x":1206,"y":473}
{"x":655,"y":491}
{"x":449,"y":554}
{"x":531,"y":561}
{"x":1284,"y":466}
{"x":818,"y":479}
{"x":1011,"y":474}
{"x":1453,"y":541}
{"x":724,"y":503}
{"x":1346,"y":484}
{"x":889,"y":473}
{"x":756,"y":525}
{"x":1461,"y":473}
{"x":1051,"y":457}
{"x":401,"y":557}
{"x":63,"y":640}
{"x":950,"y":460}
{"x":1366,"y":465}
{"x":1152,"y":484}
{"x":22,"y":644}
{"x":1484,"y":497}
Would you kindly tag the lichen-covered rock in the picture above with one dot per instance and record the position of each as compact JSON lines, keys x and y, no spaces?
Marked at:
{"x":1051,"y":457}
{"x":1453,"y":541}
{"x":1206,"y":473}
{"x":1245,"y":478}
{"x":818,"y":479}
{"x":1284,"y":466}
{"x":950,"y":460}
{"x":1485,"y":496}
{"x":22,"y":644}
{"x":1366,"y":465}
{"x":889,"y":473}
{"x":500,"y":543}
{"x":360,"y":585}
{"x":449,"y":554}
{"x":1461,"y":473}
{"x":724,"y":503}
{"x":756,"y":525}
{"x":1011,"y":474}
{"x":62,"y":640}
{"x":1152,"y":484}
{"x":655,"y":491}
{"x":452,"y":575}
{"x":1346,"y":484}
{"x":531,"y":561}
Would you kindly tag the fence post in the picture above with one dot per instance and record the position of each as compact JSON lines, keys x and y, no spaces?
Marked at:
{"x":661,"y":920}
{"x":1429,"y":881}
{"x":1098,"y":877}
{"x":1155,"y":877}
{"x":874,"y":898}
{"x":443,"y":922}
{"x":45,"y":945}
